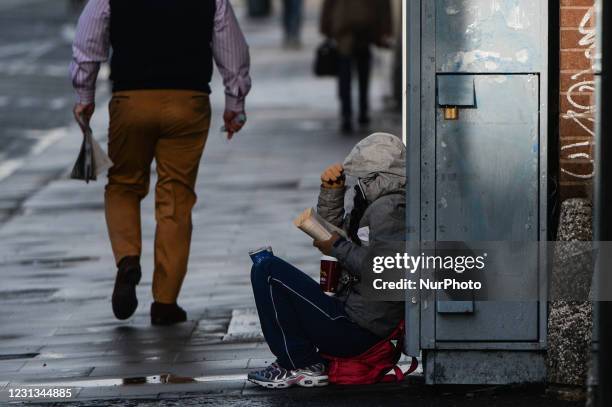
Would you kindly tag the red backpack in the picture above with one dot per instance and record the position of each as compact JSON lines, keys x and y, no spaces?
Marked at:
{"x":373,"y":365}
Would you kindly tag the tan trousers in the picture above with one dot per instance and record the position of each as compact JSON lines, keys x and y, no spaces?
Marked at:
{"x":170,"y":126}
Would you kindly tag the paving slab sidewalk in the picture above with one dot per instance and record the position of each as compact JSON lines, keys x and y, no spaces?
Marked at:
{"x":57,"y":268}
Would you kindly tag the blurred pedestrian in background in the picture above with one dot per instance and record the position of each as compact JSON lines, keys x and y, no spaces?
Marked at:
{"x":292,"y":22}
{"x":161,"y":66}
{"x":355,"y":25}
{"x":76,"y":5}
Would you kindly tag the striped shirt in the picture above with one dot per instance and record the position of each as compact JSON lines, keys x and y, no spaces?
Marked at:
{"x":91,"y":47}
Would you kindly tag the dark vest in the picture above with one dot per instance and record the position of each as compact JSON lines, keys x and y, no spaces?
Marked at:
{"x":161,"y":44}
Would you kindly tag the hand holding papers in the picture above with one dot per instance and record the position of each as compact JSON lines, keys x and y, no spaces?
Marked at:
{"x":311,"y":223}
{"x":92,"y":160}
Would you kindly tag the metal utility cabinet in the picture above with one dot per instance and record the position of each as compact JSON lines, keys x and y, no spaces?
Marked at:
{"x":477,"y":171}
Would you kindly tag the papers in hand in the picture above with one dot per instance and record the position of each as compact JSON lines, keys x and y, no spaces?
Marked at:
{"x":311,"y":223}
{"x":92,"y":160}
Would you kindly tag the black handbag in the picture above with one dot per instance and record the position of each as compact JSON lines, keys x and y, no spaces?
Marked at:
{"x":326,"y":59}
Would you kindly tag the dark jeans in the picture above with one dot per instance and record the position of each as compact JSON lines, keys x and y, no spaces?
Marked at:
{"x":292,"y":18}
{"x":361,"y":58}
{"x":298,"y":319}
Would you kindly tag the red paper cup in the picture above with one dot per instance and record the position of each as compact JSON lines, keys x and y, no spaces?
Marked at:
{"x":330,"y":274}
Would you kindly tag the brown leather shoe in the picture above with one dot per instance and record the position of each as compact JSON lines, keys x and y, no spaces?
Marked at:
{"x":167,"y":314}
{"x":124,"y":293}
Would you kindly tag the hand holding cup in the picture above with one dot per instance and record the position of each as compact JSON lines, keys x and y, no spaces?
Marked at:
{"x":325,"y":246}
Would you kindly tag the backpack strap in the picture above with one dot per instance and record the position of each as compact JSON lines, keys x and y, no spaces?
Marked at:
{"x":413,"y":366}
{"x":398,"y":375}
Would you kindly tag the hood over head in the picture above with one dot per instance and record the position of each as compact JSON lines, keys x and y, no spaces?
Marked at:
{"x":379,"y":162}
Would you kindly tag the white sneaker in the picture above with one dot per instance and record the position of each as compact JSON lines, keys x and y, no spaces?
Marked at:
{"x":277,"y":377}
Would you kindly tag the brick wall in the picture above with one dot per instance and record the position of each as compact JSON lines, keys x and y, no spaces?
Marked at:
{"x":577,"y":99}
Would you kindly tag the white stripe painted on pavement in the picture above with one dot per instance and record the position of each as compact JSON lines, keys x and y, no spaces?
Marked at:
{"x":27,"y":102}
{"x":58,"y":103}
{"x":244,"y":326}
{"x":50,"y":138}
{"x":26,"y":47}
{"x":20,"y":69}
{"x":221,"y":378}
{"x":8,"y":167}
{"x":68,"y":32}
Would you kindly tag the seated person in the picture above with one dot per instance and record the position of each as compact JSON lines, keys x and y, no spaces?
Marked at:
{"x":299,"y":321}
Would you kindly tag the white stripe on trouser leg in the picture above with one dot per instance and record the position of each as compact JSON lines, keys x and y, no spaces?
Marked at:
{"x":308,"y":301}
{"x":279,"y":325}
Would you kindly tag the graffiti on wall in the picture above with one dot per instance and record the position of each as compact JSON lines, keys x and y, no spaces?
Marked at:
{"x":582,"y":83}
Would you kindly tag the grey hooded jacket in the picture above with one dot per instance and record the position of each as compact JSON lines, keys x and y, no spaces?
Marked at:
{"x":379,"y":162}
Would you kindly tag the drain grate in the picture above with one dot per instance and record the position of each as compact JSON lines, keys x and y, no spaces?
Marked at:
{"x":18,"y":356}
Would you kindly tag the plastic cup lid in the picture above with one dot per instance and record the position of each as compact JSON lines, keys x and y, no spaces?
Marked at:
{"x":328,"y":258}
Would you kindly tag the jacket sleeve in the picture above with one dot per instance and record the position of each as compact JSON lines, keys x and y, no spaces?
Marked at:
{"x":331,"y":205}
{"x":386,"y":220}
{"x":350,"y":256}
{"x":326,"y":20}
{"x":385,"y":20}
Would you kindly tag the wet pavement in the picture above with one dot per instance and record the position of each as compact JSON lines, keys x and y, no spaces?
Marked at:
{"x":382,"y":395}
{"x":35,"y":101}
{"x":57,"y":270}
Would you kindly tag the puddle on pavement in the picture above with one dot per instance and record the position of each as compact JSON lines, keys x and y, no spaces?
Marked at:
{"x":9,"y":337}
{"x":30,"y":294}
{"x":165,"y":378}
{"x":18,"y":356}
{"x":56,"y":262}
{"x":269,"y":185}
{"x":46,"y":276}
{"x":82,"y":206}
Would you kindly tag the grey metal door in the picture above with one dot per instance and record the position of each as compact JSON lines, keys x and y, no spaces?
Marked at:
{"x":490,"y":35}
{"x":480,"y":178}
{"x":487,"y":189}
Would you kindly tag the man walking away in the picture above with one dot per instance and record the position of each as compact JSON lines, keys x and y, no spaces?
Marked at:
{"x":161,"y":66}
{"x":292,"y":23}
{"x":355,"y":25}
